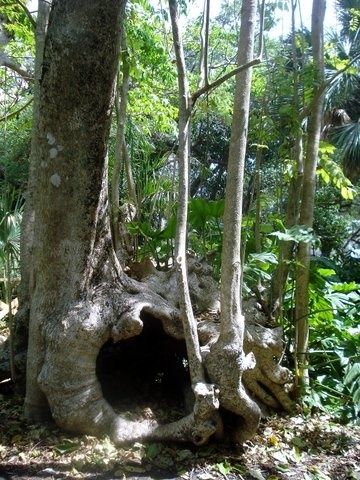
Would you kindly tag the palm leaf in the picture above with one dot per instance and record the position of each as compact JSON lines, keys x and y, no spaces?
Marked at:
{"x":347,"y":140}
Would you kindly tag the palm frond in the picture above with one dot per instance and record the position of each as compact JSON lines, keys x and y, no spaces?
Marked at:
{"x":347,"y":140}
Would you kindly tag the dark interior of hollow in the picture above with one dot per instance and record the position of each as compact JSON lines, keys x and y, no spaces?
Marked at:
{"x":148,"y":370}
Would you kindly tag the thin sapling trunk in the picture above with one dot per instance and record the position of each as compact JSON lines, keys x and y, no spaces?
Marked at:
{"x":227,"y":361}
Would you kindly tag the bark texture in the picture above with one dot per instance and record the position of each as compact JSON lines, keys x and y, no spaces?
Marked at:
{"x":77,"y":295}
{"x":21,"y":323}
{"x":226,"y":362}
{"x":71,"y":243}
{"x":203,"y":290}
{"x":206,"y":400}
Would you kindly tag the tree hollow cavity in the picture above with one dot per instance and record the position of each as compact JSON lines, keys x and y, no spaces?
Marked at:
{"x":146,"y":376}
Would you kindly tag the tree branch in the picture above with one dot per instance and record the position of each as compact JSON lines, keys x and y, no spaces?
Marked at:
{"x":224,"y":78}
{"x":256,"y":61}
{"x":28,"y":13}
{"x":204,"y":37}
{"x":6,"y":61}
{"x":261,"y":32}
{"x":14,"y":114}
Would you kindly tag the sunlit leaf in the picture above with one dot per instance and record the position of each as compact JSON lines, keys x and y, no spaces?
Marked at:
{"x":297,"y":233}
{"x":224,"y":467}
{"x":66,"y":447}
{"x":273,"y":440}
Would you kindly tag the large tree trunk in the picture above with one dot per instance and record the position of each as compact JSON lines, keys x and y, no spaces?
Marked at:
{"x":71,"y":241}
{"x":80,"y":297}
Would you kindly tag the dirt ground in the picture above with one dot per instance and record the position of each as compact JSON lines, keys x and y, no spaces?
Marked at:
{"x":294,"y":448}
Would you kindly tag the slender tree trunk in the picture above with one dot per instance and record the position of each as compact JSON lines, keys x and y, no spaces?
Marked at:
{"x":204,"y":41}
{"x":121,"y":156}
{"x":226,"y":361}
{"x":204,"y":394}
{"x":308,"y":193}
{"x":231,"y":316}
{"x":183,"y":163}
{"x":257,"y":188}
{"x":294,"y":194}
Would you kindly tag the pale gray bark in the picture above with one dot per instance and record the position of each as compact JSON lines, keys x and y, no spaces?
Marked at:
{"x":266,"y":344}
{"x":227,"y":361}
{"x":270,"y":384}
{"x":205,"y":395}
{"x":308,"y":192}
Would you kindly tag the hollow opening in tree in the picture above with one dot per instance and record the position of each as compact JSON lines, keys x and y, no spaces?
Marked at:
{"x":146,"y":375}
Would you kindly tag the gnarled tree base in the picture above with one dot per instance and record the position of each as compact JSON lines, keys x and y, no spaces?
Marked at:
{"x":116,"y":364}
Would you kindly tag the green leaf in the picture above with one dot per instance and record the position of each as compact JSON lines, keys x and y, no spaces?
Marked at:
{"x":224,"y":467}
{"x":297,"y":233}
{"x":339,"y":301}
{"x":346,"y":287}
{"x":353,"y":374}
{"x":324,"y":175}
{"x":66,"y":447}
{"x":152,"y":450}
{"x":169,"y":231}
{"x":326,"y":272}
{"x":264,"y":257}
{"x":298,"y":441}
{"x":347,"y":193}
